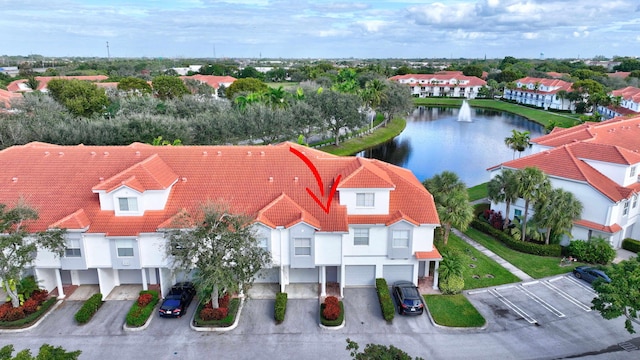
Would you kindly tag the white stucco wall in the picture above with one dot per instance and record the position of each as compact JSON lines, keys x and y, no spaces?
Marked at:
{"x":377,"y":242}
{"x":381,"y":201}
{"x":152,"y":250}
{"x":97,"y":251}
{"x":328,"y":248}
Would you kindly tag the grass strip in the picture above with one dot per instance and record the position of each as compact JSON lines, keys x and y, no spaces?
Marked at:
{"x":477,"y":192}
{"x":453,"y":311}
{"x":357,"y":144}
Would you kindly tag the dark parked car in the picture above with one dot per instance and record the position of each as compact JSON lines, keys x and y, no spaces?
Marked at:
{"x":590,"y":274}
{"x":408,"y":298}
{"x":177,"y":301}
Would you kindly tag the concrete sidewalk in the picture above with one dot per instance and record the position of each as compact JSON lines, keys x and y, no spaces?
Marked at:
{"x":504,"y":263}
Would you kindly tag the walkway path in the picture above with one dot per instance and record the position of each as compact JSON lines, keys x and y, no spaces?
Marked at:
{"x":504,"y":263}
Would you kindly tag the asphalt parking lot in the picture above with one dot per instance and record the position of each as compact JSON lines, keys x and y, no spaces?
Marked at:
{"x":538,"y":302}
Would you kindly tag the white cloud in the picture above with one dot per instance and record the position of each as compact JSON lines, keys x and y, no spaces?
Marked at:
{"x":530,"y":35}
{"x":373,"y":25}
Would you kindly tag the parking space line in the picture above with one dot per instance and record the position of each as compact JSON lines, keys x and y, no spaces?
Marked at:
{"x":580,"y":283}
{"x":513,"y":307}
{"x":544,"y":304}
{"x":473,"y":292}
{"x":571,"y":299}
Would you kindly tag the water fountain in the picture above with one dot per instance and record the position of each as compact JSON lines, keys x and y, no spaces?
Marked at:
{"x":465,"y":112}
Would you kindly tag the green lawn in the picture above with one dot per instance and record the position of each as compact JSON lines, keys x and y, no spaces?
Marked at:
{"x":540,"y":116}
{"x":453,"y":310}
{"x":357,"y":144}
{"x":477,"y":192}
{"x":535,"y":266}
{"x":485,"y":272}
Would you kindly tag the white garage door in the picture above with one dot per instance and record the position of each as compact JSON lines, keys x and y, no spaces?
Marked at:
{"x":130,"y":276}
{"x":88,"y":277}
{"x":393,"y":273}
{"x":360,"y":275}
{"x":303,"y":275}
{"x":268,"y":276}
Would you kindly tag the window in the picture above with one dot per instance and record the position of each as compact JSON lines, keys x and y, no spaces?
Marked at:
{"x":73,"y":248}
{"x":125,"y":248}
{"x":400,"y":239}
{"x":263,"y":243}
{"x":361,"y":237}
{"x":302,"y":246}
{"x":128,"y":204}
{"x":633,"y":171}
{"x":365,"y":199}
{"x":635,"y":202}
{"x":625,"y":210}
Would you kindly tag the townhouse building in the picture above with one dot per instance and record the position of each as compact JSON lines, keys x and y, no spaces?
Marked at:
{"x":539,"y":92}
{"x":626,"y":102}
{"x":599,"y":164}
{"x":213,"y":81}
{"x":117,"y":204}
{"x":448,"y":83}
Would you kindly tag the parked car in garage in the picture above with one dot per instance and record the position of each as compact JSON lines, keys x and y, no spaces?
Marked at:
{"x":408,"y":298}
{"x":590,"y":274}
{"x":177,"y":301}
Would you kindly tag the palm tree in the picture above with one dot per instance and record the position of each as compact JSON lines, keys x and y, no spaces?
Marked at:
{"x":533,"y":185}
{"x":277,"y":97}
{"x":556,"y":212}
{"x":452,"y":201}
{"x":451,"y":265}
{"x":518,"y":141}
{"x":504,"y":187}
{"x":373,"y":93}
{"x":562,"y":94}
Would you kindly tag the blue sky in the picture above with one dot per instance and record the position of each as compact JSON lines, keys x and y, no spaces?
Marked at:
{"x":321,"y":29}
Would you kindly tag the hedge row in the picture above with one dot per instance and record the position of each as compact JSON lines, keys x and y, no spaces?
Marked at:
{"x":631,"y":245}
{"x":386,"y":303}
{"x":31,"y":318}
{"x":280,"y":307}
{"x":89,"y":308}
{"x":522,"y":246}
{"x":138,"y":315}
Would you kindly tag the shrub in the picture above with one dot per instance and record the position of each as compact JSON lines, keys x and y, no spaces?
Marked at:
{"x":30,"y":306}
{"x":331,"y":311}
{"x":338,"y":320}
{"x":14,"y":314}
{"x":595,"y":251}
{"x":40,"y":295}
{"x":4,"y":309}
{"x":144,"y":299}
{"x":522,"y":246}
{"x":386,"y":303}
{"x":138,"y":315}
{"x":631,"y":245}
{"x":234,"y":304}
{"x":89,"y":308}
{"x":220,"y":313}
{"x":452,"y":284}
{"x":331,"y":300}
{"x":31,"y":318}
{"x":280,"y":307}
{"x":223,"y":301}
{"x":206,"y":314}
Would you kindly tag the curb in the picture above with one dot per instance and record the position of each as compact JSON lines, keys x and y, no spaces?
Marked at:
{"x":33,"y":326}
{"x":219,"y":329}
{"x":461,"y":329}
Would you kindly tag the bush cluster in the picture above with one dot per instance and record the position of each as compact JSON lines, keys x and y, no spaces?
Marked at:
{"x":138,"y":315}
{"x":386,"y":303}
{"x":280,"y":307}
{"x":206,"y":314}
{"x":89,"y":308}
{"x":25,"y":320}
{"x":339,"y":308}
{"x":452,"y":284}
{"x":331,"y":309}
{"x":29,"y":306}
{"x":144,"y":299}
{"x":631,"y":245}
{"x":522,"y":246}
{"x":595,"y":251}
{"x":232,"y":310}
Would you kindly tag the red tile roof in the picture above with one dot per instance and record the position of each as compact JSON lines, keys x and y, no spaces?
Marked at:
{"x":14,"y":86}
{"x":553,"y":85}
{"x":266,"y":182}
{"x":211,"y":80}
{"x":7,"y":98}
{"x":447,"y":77}
{"x":595,"y":226}
{"x":429,"y":255}
{"x":628,"y":93}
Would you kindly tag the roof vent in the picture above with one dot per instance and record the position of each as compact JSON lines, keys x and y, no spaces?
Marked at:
{"x":101,"y":179}
{"x":60,"y":153}
{"x":184,"y":179}
{"x":15,"y":179}
{"x":46,"y":153}
{"x":295,"y":179}
{"x":270,"y":179}
{"x":204,"y":153}
{"x":261,"y":153}
{"x":93,"y":153}
{"x":106,"y":153}
{"x":219,"y":153}
{"x":248,"y":153}
{"x":137,"y":153}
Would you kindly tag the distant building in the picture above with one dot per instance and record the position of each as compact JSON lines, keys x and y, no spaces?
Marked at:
{"x":185,"y":70}
{"x":446,"y":83}
{"x":540,"y":93}
{"x":629,"y":103}
{"x":212,"y":80}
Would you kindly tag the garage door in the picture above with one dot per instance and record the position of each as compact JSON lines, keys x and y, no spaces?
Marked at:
{"x":130,"y":276}
{"x":268,"y":276}
{"x":303,"y":275}
{"x":360,"y":275}
{"x":393,"y":273}
{"x":88,"y":277}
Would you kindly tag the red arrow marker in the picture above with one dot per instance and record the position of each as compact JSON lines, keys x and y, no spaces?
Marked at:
{"x":315,"y":172}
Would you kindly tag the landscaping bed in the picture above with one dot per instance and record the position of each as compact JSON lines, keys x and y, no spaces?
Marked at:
{"x":31,"y":318}
{"x":142,"y":308}
{"x":332,"y":312}
{"x":228,"y":320}
{"x":453,"y":311}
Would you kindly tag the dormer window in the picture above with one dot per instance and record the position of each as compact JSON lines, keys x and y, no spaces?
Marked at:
{"x":633,"y":171}
{"x":365,"y":199}
{"x":128,"y":204}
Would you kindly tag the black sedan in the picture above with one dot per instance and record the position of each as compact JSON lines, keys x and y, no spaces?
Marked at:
{"x":175,"y":304}
{"x":590,"y":274}
{"x":408,"y":298}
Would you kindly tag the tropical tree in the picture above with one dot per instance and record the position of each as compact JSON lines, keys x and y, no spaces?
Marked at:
{"x":46,"y":352}
{"x":81,"y":98}
{"x":169,"y":87}
{"x":396,"y":100}
{"x":373,"y":93}
{"x":277,"y":97}
{"x":245,"y":85}
{"x":451,"y":200}
{"x":533,"y":186}
{"x":376,"y":352}
{"x":19,"y":246}
{"x":620,"y":297}
{"x":346,"y":81}
{"x":220,"y":246}
{"x":504,"y":187}
{"x":518,"y":141}
{"x":556,"y":212}
{"x":339,"y":110}
{"x":134,"y":85}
